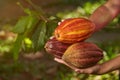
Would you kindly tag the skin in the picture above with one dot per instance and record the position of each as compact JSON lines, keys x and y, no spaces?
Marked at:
{"x":106,"y":12}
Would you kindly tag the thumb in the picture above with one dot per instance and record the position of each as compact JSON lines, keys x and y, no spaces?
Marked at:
{"x":63,"y":62}
{"x":59,"y":60}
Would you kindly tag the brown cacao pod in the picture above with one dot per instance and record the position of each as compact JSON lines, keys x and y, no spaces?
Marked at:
{"x":56,"y":47}
{"x":74,"y":30}
{"x":83,"y":54}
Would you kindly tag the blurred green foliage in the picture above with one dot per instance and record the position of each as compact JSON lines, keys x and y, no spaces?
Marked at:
{"x":37,"y":27}
{"x":85,"y":9}
{"x":34,"y":29}
{"x":39,"y":68}
{"x":81,"y":2}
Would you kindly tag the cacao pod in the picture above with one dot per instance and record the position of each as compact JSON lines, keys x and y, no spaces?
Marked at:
{"x":74,"y":30}
{"x":56,"y":47}
{"x":83,"y":54}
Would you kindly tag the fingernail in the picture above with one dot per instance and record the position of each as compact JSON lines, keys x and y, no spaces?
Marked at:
{"x":76,"y":70}
{"x":51,"y":37}
{"x":59,"y":23}
{"x":62,"y":20}
{"x":55,"y":59}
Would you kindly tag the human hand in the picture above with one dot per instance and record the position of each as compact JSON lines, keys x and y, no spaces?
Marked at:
{"x":104,"y":14}
{"x":103,"y":68}
{"x":96,"y":69}
{"x":101,"y":17}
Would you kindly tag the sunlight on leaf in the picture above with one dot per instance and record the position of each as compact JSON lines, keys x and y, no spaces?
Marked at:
{"x":90,"y":7}
{"x":38,"y":37}
{"x":21,"y":25}
{"x":28,"y":41}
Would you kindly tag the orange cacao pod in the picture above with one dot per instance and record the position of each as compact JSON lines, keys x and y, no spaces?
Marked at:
{"x":83,"y":55}
{"x":74,"y":30}
{"x":56,"y":47}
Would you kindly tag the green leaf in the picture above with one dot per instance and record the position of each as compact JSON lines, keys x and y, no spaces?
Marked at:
{"x":21,"y":25}
{"x":33,"y":20}
{"x":26,"y":23}
{"x":38,"y":37}
{"x":17,"y":46}
{"x":50,"y":28}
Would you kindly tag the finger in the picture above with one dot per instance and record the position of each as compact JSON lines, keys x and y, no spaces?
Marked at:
{"x":80,"y":70}
{"x":91,"y":70}
{"x":72,"y":67}
{"x":59,"y":60}
{"x":84,"y":71}
{"x":63,"y":62}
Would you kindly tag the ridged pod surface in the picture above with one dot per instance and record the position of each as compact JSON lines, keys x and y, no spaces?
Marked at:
{"x":83,"y":54}
{"x":56,"y":47}
{"x":74,"y":30}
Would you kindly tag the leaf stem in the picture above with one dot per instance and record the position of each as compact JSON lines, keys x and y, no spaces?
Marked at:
{"x":37,"y":8}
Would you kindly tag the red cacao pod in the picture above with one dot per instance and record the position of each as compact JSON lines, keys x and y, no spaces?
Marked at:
{"x":56,"y":47}
{"x":83,"y":55}
{"x":74,"y":30}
